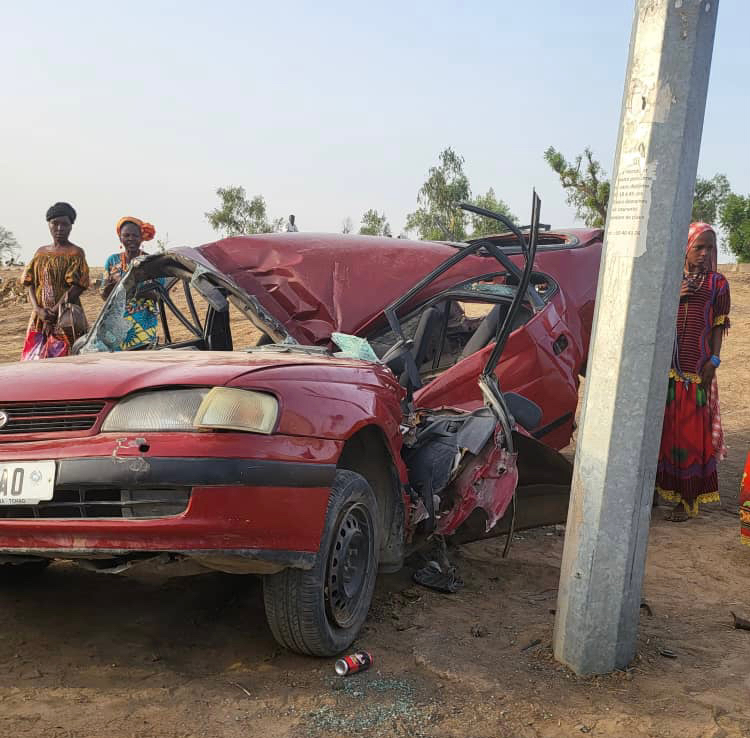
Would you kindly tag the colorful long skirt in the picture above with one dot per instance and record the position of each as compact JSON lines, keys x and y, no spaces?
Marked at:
{"x":686,"y":472}
{"x":745,"y":505}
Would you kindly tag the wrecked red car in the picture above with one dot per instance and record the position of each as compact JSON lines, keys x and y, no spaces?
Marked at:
{"x":397,"y":392}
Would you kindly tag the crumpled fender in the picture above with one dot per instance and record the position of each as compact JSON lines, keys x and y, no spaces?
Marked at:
{"x":488,"y":482}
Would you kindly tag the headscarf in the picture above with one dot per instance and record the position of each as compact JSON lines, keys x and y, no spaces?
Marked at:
{"x":695,"y":230}
{"x":60,"y":210}
{"x":147,"y":230}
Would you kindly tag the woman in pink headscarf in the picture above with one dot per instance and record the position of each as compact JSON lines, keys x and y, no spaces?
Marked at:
{"x":692,"y":440}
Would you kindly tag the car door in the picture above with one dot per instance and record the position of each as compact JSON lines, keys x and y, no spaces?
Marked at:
{"x":538,"y":360}
{"x":539,"y":363}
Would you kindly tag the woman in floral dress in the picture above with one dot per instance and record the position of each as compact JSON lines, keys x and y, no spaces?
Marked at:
{"x":141,"y":311}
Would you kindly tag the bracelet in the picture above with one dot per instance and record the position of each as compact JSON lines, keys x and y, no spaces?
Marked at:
{"x":715,"y":360}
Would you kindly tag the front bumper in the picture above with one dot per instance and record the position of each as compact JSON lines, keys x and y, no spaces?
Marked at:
{"x":243,"y":504}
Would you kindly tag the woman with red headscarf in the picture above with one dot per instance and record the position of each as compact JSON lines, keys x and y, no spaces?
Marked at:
{"x":692,"y":439}
{"x":140,"y":312}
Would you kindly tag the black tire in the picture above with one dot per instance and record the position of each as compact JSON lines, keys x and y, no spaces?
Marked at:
{"x":320,"y":611}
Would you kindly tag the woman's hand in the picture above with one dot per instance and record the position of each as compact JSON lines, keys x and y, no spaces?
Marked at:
{"x":47,"y":327}
{"x":687,"y":288}
{"x":707,"y":375}
{"x":109,"y":285}
{"x":46,"y":315}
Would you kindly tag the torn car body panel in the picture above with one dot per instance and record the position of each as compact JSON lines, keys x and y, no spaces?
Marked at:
{"x":459,"y":463}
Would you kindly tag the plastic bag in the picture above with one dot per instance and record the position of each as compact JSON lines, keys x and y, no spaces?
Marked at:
{"x":38,"y":346}
{"x":54,"y":347}
{"x":32,"y":346}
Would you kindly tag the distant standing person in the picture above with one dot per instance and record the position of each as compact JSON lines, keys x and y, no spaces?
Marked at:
{"x":291,"y":226}
{"x":140,"y":311}
{"x":692,"y":439}
{"x":56,"y":275}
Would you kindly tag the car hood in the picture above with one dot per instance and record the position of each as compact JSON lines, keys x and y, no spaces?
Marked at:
{"x":109,"y":376}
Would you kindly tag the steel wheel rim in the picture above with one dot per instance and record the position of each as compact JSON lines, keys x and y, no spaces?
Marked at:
{"x":348,"y":563}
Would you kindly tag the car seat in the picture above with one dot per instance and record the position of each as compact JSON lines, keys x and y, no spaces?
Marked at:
{"x":426,"y":336}
{"x":487,"y":329}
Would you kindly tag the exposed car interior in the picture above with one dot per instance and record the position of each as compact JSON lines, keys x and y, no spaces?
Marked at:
{"x":459,"y":322}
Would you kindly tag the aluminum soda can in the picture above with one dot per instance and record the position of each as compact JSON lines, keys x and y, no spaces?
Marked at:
{"x":359,"y":661}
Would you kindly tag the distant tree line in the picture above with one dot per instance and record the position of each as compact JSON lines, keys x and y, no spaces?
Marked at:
{"x":439,"y":217}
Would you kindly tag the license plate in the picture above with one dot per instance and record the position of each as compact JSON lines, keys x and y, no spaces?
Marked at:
{"x":26,"y":482}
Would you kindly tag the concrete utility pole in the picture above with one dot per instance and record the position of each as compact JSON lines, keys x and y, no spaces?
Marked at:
{"x":649,"y":212}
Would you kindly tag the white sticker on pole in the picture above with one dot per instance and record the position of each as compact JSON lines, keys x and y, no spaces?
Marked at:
{"x":646,"y":103}
{"x":630,"y":208}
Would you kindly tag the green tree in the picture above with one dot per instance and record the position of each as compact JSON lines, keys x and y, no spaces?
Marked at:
{"x":238,"y":216}
{"x":485,"y":226}
{"x":9,"y":248}
{"x":585,"y":184}
{"x":735,"y":220}
{"x":374,"y":224}
{"x":710,"y":196}
{"x":437,"y":216}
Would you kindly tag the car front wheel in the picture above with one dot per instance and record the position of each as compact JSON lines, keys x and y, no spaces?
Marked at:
{"x":321,"y":611}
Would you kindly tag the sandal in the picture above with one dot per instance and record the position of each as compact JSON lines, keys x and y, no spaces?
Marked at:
{"x":433,"y":577}
{"x":677,"y":516}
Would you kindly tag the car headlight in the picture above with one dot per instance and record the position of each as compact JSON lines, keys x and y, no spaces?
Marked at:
{"x":238,"y":409}
{"x":191,"y":409}
{"x":161,"y":410}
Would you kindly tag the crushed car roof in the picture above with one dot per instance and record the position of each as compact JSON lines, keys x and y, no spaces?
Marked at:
{"x":309,"y":275}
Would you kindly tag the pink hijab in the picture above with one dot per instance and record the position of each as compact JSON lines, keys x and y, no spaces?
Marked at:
{"x":695,"y":230}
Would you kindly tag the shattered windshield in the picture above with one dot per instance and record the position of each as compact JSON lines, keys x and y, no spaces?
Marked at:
{"x":170,"y":301}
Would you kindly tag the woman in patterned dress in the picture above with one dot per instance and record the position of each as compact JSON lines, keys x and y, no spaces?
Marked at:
{"x":57,"y":274}
{"x":692,"y":439}
{"x":140,"y":312}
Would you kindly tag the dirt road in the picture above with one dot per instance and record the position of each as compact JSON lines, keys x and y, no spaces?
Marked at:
{"x":84,"y":655}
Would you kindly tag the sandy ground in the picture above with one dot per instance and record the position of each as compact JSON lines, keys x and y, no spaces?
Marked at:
{"x":87,"y":655}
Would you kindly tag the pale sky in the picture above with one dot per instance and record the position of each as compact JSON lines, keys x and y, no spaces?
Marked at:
{"x":326,"y":109}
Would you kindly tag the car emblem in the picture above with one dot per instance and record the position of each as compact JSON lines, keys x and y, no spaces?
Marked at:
{"x":3,"y":418}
